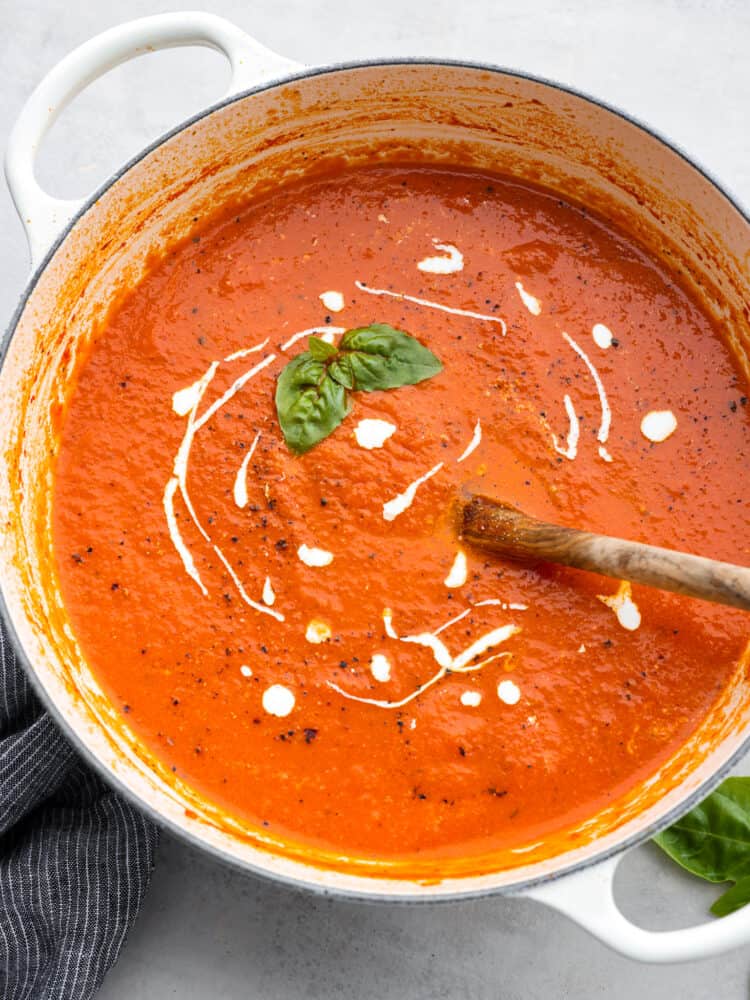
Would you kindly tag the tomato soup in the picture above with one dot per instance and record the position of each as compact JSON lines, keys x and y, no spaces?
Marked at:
{"x":301,"y":637}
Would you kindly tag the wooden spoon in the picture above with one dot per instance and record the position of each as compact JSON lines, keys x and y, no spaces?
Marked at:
{"x":491,"y":524}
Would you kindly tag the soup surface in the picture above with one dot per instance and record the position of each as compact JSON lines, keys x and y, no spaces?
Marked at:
{"x":302,"y":638}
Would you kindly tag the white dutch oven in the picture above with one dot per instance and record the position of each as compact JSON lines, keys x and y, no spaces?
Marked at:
{"x":277,"y":118}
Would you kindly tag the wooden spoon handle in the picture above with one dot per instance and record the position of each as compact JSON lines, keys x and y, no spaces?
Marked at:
{"x":511,"y":533}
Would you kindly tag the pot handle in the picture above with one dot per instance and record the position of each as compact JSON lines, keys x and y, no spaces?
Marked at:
{"x":587,"y":898}
{"x":43,"y":216}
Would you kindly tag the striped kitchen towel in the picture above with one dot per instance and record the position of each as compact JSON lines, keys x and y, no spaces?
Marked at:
{"x":75,"y":859}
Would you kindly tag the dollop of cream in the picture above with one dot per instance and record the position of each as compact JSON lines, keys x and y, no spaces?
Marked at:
{"x":373,"y":433}
{"x":333,"y":301}
{"x":317,"y":631}
{"x":392,"y":508}
{"x":278,"y":700}
{"x":658,"y":425}
{"x":454,"y":261}
{"x":623,"y":605}
{"x":508,"y":692}
{"x":531,"y":302}
{"x":602,"y":335}
{"x":268,"y":596}
{"x":246,"y":671}
{"x":312,"y":556}
{"x":471,"y":699}
{"x":380,"y":668}
{"x":458,"y":571}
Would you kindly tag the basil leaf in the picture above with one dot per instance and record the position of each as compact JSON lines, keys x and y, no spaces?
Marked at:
{"x":309,"y":403}
{"x":381,"y":357}
{"x":713,"y":842}
{"x":341,"y":370}
{"x":311,"y":398}
{"x":733,"y":899}
{"x":320,"y":350}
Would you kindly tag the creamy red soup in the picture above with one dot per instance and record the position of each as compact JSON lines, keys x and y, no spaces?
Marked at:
{"x":302,"y":638}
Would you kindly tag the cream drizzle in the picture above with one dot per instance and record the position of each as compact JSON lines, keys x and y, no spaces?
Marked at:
{"x":574,"y":431}
{"x":476,"y":440}
{"x":490,"y":601}
{"x":443,"y":265}
{"x":530,"y":301}
{"x":195,"y":393}
{"x":392,"y":508}
{"x":185,"y":399}
{"x":326,"y":333}
{"x":269,"y":596}
{"x":243,"y":352}
{"x":606,"y":421}
{"x":240,"y":481}
{"x":179,"y":480}
{"x":241,"y":590}
{"x":458,"y":571}
{"x":482,"y":644}
{"x":174,"y":533}
{"x":232,"y":391}
{"x":432,"y":305}
{"x":462,"y":663}
{"x":451,"y":621}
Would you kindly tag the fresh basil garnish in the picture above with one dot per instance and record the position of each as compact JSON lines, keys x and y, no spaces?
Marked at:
{"x":380,"y":357}
{"x":311,"y":390}
{"x":319,"y":349}
{"x":310,"y":404}
{"x":713,"y":842}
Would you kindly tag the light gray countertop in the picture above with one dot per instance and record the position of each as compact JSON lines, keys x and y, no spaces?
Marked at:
{"x":205,"y":931}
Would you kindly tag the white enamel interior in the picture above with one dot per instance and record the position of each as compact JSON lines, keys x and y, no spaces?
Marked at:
{"x":419,"y":112}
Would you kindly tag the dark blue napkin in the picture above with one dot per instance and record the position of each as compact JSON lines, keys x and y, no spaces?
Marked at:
{"x":75,"y":858}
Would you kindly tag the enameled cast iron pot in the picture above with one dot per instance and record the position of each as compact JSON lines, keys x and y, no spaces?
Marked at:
{"x":276,"y":120}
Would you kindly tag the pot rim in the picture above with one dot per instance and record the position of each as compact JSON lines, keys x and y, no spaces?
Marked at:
{"x":412,"y":892}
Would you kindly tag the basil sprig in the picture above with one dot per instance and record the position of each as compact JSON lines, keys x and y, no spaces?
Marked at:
{"x":311,"y":391}
{"x":713,"y":842}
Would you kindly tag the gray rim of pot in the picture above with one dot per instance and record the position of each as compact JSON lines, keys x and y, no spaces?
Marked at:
{"x":193,"y":840}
